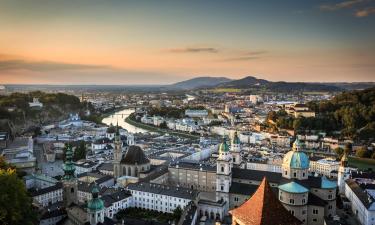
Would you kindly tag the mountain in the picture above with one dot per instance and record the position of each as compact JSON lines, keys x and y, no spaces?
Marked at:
{"x":199,"y":82}
{"x":255,"y":83}
{"x":245,"y":82}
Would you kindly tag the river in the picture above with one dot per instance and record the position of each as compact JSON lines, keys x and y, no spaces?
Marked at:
{"x":120,"y":116}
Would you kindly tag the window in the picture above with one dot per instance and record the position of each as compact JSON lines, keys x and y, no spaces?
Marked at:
{"x":281,"y":197}
{"x":286,"y":172}
{"x":329,"y":196}
{"x":222,"y":169}
{"x":303,"y":201}
{"x":303,"y":212}
{"x":292,"y":212}
{"x":303,"y":174}
{"x":315,"y":211}
{"x":291,"y":201}
{"x":314,"y":220}
{"x":294,"y":174}
{"x":222,"y":187}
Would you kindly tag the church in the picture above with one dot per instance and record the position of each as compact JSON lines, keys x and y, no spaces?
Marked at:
{"x":310,"y":199}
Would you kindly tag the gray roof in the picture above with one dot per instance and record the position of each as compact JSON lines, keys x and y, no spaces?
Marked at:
{"x":256,"y":175}
{"x":37,"y":192}
{"x":160,"y":189}
{"x":135,"y":155}
{"x":106,"y":167}
{"x":194,"y":166}
{"x":360,"y":192}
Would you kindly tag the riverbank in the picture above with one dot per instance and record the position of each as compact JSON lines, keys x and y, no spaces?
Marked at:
{"x":150,"y":128}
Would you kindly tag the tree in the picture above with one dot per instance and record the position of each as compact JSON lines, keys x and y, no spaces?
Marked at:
{"x":80,"y":151}
{"x":339,"y":151}
{"x":15,"y":204}
{"x":363,"y":152}
{"x":163,"y":125}
{"x":177,"y":212}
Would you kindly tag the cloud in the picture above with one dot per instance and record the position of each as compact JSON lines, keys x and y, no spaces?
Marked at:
{"x":20,"y":64}
{"x":252,"y":55}
{"x":194,"y":50}
{"x":365,"y":12}
{"x":341,"y":5}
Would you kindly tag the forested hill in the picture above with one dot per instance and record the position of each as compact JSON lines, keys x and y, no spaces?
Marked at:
{"x":353,"y":111}
{"x":352,"y":114}
{"x":16,"y":115}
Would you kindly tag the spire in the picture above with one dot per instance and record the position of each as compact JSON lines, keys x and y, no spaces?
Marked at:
{"x":297,"y":145}
{"x":263,"y":208}
{"x":69,"y":167}
{"x":344,"y":160}
{"x":236,"y":139}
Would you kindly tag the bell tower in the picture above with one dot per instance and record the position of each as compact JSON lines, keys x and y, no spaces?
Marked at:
{"x":117,"y":154}
{"x":235,"y":150}
{"x":343,"y":173}
{"x":69,"y":179}
{"x":223,"y":174}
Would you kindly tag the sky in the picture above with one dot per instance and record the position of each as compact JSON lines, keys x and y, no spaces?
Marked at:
{"x":165,"y":41}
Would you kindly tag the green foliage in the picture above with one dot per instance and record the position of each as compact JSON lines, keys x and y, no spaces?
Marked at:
{"x":15,"y":204}
{"x":80,"y":151}
{"x":145,"y":214}
{"x":352,"y":113}
{"x":339,"y":151}
{"x":363,"y":152}
{"x":163,"y":125}
{"x":177,"y":212}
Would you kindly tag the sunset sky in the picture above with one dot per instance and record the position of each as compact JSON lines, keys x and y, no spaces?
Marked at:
{"x":164,"y":41}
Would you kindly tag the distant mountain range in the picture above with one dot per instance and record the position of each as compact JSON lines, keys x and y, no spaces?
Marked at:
{"x":251,"y":82}
{"x":200,"y":82}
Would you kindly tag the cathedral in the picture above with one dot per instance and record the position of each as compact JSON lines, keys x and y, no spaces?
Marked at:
{"x":308,"y":198}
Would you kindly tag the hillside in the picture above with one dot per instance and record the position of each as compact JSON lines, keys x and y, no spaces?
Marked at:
{"x":255,"y":83}
{"x":16,"y":116}
{"x":199,"y":82}
{"x":350,"y":114}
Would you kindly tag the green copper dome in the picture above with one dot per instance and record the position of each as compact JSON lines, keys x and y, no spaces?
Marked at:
{"x":223,"y":147}
{"x":68,"y":167}
{"x":95,"y":204}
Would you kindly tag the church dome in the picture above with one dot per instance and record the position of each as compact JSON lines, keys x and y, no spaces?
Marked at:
{"x":296,"y":159}
{"x":135,"y":155}
{"x":95,"y":204}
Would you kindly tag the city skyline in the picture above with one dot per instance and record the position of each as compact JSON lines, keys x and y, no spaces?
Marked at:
{"x":133,"y":42}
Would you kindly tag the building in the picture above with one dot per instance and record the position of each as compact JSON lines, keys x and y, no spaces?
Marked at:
{"x":132,"y":164}
{"x":35,"y":103}
{"x":162,"y":198}
{"x":47,"y":196}
{"x":196,"y":113}
{"x":309,"y":198}
{"x":326,"y":166}
{"x":263,"y":208}
{"x":20,"y":153}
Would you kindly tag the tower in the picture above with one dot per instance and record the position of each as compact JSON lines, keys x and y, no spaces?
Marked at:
{"x":235,"y":150}
{"x":95,"y":207}
{"x":223,"y":174}
{"x":69,"y":179}
{"x":117,"y":154}
{"x":292,"y":194}
{"x":343,"y":173}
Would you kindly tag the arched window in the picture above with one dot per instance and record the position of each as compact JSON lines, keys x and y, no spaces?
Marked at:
{"x":222,"y":169}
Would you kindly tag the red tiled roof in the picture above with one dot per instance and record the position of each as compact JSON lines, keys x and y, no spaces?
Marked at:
{"x":263,"y":208}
